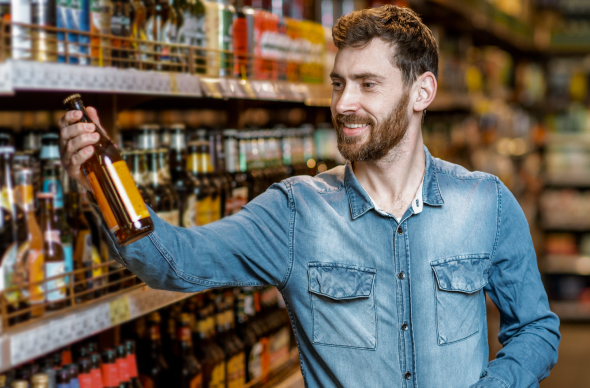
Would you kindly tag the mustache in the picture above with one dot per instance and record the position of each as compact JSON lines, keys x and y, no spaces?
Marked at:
{"x":353,"y":118}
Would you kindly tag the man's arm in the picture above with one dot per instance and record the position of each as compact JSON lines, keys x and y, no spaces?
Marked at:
{"x":251,"y":248}
{"x":529,"y":331}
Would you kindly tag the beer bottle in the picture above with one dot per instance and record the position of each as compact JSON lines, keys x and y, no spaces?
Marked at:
{"x":110,"y":372}
{"x":237,"y":177}
{"x":40,"y":380}
{"x":181,"y":181}
{"x":53,"y":254}
{"x":63,"y":378}
{"x":244,"y":328}
{"x":132,"y":364}
{"x":167,"y":28}
{"x":84,"y":375}
{"x":73,"y":371}
{"x":19,"y":384}
{"x":123,"y":367}
{"x":217,"y":377}
{"x":235,"y":359}
{"x":43,"y":14}
{"x":35,"y":262}
{"x":121,"y":20}
{"x":118,"y":198}
{"x":138,"y":27}
{"x":207,"y":169}
{"x":100,"y":23}
{"x":96,"y":369}
{"x":52,"y":184}
{"x":203,"y":191}
{"x":223,"y":176}
{"x":153,"y":369}
{"x":13,"y":235}
{"x":189,"y":371}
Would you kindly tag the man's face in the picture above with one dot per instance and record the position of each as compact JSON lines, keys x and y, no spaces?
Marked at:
{"x":369,"y":102}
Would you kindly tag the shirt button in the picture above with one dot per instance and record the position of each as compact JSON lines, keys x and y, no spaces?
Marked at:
{"x":408,"y":375}
{"x":401,"y":275}
{"x":400,"y":230}
{"x":405,"y":327}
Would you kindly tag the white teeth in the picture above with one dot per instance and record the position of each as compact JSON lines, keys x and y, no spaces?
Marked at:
{"x":352,"y":126}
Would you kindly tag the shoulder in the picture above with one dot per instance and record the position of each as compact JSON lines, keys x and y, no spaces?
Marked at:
{"x":457,"y":172}
{"x":326,"y":182}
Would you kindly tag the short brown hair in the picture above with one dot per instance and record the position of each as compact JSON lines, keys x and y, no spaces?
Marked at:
{"x":416,"y":49}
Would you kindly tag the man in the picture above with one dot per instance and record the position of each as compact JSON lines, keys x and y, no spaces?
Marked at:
{"x":384,"y":263}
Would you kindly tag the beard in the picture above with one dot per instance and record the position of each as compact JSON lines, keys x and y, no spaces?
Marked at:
{"x":382,"y":138}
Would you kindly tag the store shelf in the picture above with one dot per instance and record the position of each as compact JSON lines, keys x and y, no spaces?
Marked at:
{"x":567,"y":264}
{"x":28,"y":341}
{"x":568,"y":138}
{"x":571,"y":310}
{"x":41,"y":76}
{"x":575,"y":179}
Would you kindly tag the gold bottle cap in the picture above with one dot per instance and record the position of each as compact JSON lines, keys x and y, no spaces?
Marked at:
{"x":72,"y":97}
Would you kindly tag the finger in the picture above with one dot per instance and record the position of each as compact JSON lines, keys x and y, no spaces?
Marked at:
{"x":70,"y":118}
{"x":77,"y":143}
{"x":93,"y":114}
{"x":73,"y":131}
{"x":81,"y":156}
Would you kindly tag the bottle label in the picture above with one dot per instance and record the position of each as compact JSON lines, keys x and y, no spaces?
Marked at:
{"x":197,"y":381}
{"x":236,"y":377}
{"x":110,"y":375}
{"x":279,"y":345}
{"x":132,"y":364}
{"x":54,"y":289}
{"x":85,"y":380}
{"x":53,"y":185}
{"x":218,"y":376}
{"x":66,"y":357}
{"x":255,"y":361}
{"x":68,"y":257}
{"x":63,"y":385}
{"x":189,"y":217}
{"x":146,"y":381}
{"x":127,"y":190}
{"x":103,"y":204}
{"x":123,"y":368}
{"x":74,"y":382}
{"x":8,"y":270}
{"x":184,"y":334}
{"x":202,"y":211}
{"x":239,"y":198}
{"x":36,"y":273}
{"x":83,"y":251}
{"x":52,"y":236}
{"x":96,"y":378}
{"x":171,"y":217}
{"x":97,"y":259}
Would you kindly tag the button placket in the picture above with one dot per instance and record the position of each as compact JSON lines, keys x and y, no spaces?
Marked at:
{"x":403,"y":283}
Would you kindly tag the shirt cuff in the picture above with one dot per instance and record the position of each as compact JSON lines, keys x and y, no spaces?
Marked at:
{"x":490,"y":382}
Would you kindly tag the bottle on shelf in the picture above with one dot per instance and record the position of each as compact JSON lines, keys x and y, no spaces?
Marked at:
{"x":182,"y":182}
{"x":113,"y":187}
{"x":20,"y":384}
{"x":204,"y":192}
{"x":34,"y":261}
{"x":84,"y":375}
{"x":238,"y":177}
{"x":43,"y":14}
{"x":187,"y":371}
{"x":63,"y":378}
{"x":208,"y":353}
{"x":123,"y":367}
{"x":132,"y":364}
{"x":136,"y":163}
{"x":100,"y":23}
{"x":232,"y":346}
{"x":74,"y":373}
{"x":39,"y":380}
{"x":208,"y":170}
{"x":14,"y":241}
{"x":110,"y":372}
{"x":220,"y":175}
{"x":55,"y":293}
{"x":138,"y":27}
{"x":95,"y":368}
{"x":121,"y":19}
{"x":153,"y":368}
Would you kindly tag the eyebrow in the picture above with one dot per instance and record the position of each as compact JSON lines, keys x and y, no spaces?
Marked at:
{"x":358,"y":76}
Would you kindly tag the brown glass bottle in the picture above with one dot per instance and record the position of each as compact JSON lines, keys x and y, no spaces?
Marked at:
{"x":35,"y":261}
{"x":53,"y":254}
{"x":209,"y":354}
{"x":188,"y":373}
{"x":238,"y":177}
{"x":153,"y":368}
{"x":113,"y":187}
{"x":134,"y":160}
{"x":204,"y":191}
{"x":181,"y":181}
{"x":132,"y":364}
{"x":110,"y":372}
{"x":234,"y":347}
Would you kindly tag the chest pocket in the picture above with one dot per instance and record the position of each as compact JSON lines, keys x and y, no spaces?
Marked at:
{"x":460,"y":302}
{"x":343,"y":305}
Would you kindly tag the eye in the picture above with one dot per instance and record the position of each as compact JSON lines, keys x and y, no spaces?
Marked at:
{"x":336,"y":85}
{"x":368,"y":84}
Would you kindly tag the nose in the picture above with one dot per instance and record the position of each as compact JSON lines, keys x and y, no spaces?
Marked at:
{"x":346,"y":101}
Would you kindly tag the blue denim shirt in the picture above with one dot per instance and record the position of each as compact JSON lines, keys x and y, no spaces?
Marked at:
{"x":375,"y":302}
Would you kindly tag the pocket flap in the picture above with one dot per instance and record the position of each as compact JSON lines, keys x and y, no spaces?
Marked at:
{"x":466,"y":273}
{"x":340,"y":281}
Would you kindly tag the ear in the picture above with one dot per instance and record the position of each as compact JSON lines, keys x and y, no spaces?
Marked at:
{"x":425,"y":91}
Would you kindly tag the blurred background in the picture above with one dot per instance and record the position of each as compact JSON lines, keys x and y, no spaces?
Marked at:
{"x":246,"y":83}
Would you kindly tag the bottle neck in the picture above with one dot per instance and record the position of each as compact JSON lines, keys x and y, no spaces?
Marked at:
{"x":232,"y":160}
{"x":153,"y":169}
{"x":47,"y":217}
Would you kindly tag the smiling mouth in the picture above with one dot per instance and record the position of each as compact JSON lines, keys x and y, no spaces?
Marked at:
{"x":354,"y":126}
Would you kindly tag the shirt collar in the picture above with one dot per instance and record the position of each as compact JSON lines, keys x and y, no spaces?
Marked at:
{"x":360,"y":202}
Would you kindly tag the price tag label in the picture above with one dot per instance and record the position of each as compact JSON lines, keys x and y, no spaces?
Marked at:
{"x":225,"y":88}
{"x":22,"y":346}
{"x":173,"y":83}
{"x":210,"y":87}
{"x":119,"y":309}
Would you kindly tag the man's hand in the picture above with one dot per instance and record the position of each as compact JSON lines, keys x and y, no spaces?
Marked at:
{"x":75,"y":144}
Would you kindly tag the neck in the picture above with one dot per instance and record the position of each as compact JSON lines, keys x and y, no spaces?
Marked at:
{"x":392,"y":181}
